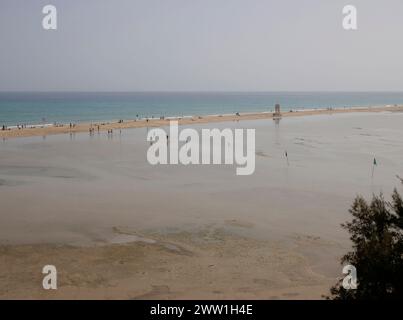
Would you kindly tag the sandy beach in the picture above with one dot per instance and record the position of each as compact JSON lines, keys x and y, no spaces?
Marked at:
{"x":49,"y":129}
{"x":209,"y":264}
{"x":118,"y":228}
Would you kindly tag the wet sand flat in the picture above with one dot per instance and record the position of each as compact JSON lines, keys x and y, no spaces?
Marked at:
{"x":117,"y":227}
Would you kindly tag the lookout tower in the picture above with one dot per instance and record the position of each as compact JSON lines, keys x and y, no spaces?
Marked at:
{"x":277,"y":113}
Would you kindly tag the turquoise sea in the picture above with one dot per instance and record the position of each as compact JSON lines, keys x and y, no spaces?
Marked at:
{"x":64,"y":107}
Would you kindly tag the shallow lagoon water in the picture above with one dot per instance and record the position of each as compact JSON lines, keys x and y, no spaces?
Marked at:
{"x":75,"y":188}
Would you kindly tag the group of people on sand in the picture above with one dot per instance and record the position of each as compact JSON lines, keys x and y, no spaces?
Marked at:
{"x":91,"y":130}
{"x":19,"y":127}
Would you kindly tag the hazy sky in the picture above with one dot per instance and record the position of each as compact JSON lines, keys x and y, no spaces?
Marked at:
{"x":201,"y":45}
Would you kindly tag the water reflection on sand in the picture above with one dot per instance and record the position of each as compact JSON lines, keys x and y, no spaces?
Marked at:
{"x":75,"y":190}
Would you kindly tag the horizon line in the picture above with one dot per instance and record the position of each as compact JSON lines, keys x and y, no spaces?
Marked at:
{"x":202,"y":91}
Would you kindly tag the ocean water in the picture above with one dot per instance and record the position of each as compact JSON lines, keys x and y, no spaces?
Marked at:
{"x":61,"y":107}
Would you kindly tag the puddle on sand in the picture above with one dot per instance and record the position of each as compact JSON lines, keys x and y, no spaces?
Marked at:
{"x":127,"y":238}
{"x":124,"y":237}
{"x":9,"y":183}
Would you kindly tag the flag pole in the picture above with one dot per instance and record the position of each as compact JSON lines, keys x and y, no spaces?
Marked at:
{"x":373,"y":167}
